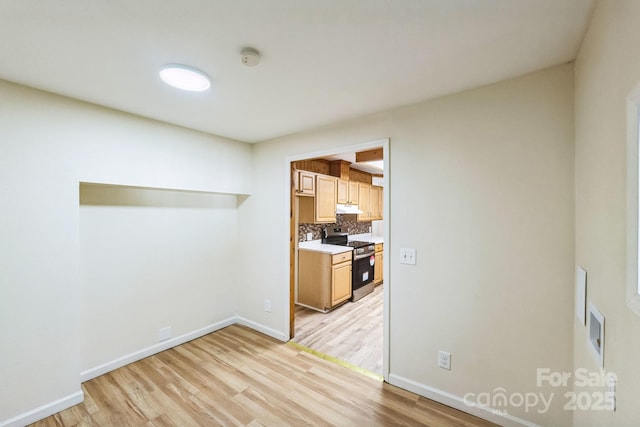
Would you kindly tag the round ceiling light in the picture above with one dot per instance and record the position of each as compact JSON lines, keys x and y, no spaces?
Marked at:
{"x":185,"y":78}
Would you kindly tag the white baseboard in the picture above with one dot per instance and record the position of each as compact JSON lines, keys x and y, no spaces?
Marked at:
{"x":76,"y":398}
{"x":279,"y":335}
{"x":154,"y":349}
{"x":459,"y":403}
{"x":44,"y":411}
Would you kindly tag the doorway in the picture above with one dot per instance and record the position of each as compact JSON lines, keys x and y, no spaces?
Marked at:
{"x":355,"y":333}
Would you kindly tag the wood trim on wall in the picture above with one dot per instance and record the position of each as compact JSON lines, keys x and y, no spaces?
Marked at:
{"x":292,"y":249}
{"x":316,"y":166}
{"x":359,"y":176}
{"x":370,"y":155}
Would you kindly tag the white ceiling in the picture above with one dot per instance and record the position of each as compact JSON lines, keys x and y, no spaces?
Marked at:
{"x":322,"y":60}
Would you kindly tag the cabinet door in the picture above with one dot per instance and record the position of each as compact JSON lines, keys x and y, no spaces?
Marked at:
{"x":375,"y":202}
{"x":306,"y":183}
{"x":380,"y":203}
{"x":377,"y":270}
{"x":343,"y":191}
{"x":326,"y":196}
{"x":364,"y":201}
{"x":341,"y":283}
{"x":354,"y":188}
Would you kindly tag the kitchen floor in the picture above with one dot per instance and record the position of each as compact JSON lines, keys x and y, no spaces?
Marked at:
{"x":351,"y":332}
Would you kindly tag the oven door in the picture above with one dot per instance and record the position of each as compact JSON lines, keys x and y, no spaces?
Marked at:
{"x":363,"y":268}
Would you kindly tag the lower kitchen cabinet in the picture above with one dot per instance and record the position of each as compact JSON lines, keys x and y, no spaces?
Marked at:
{"x":379,"y":258}
{"x":324,"y":280}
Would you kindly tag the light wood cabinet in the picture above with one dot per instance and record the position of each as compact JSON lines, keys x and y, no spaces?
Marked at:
{"x":324,"y":280}
{"x":370,"y":202}
{"x":379,"y":258}
{"x":320,"y":208}
{"x":340,"y":282}
{"x":354,"y":193}
{"x":364,"y":201}
{"x":343,"y":192}
{"x":306,"y":183}
{"x":376,"y":203}
{"x":323,"y":192}
{"x":347,"y":192}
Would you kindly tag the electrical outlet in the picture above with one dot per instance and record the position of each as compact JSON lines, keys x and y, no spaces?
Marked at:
{"x":309,"y":236}
{"x":408,"y":256}
{"x":444,"y":360}
{"x":267,"y":305}
{"x":164,"y":333}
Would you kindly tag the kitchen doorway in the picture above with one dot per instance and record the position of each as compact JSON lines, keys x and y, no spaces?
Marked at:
{"x":351,"y":333}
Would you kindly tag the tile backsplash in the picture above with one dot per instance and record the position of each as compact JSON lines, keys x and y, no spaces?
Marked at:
{"x":343,"y":221}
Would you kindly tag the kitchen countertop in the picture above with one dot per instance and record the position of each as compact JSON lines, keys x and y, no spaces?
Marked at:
{"x":318,"y":246}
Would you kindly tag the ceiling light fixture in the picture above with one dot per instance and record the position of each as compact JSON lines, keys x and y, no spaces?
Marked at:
{"x":185,"y":78}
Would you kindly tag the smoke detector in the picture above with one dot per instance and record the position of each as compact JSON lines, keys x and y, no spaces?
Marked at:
{"x":250,"y":57}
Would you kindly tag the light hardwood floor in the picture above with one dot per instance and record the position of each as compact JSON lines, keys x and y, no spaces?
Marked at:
{"x":237,"y":376}
{"x":351,"y":332}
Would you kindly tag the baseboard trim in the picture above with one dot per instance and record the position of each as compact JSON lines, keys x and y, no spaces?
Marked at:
{"x":154,"y":349}
{"x":56,"y":406}
{"x":459,"y":403}
{"x":279,"y":335}
{"x":44,"y":411}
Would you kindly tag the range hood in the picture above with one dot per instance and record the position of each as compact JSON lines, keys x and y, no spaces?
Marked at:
{"x":348,"y":209}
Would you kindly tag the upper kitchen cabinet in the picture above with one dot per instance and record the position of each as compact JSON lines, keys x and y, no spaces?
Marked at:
{"x":321,"y":208}
{"x":364,"y":201}
{"x":347,"y":192}
{"x":376,"y":203}
{"x":306,"y":183}
{"x":370,"y":202}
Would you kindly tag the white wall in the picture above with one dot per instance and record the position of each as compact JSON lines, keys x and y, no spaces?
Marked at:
{"x":481,"y":183}
{"x":50,"y":144}
{"x":151,"y":259}
{"x":488,"y":175}
{"x":607,"y":69}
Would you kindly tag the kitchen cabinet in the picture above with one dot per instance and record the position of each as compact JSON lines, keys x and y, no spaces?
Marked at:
{"x":370,"y":202}
{"x":379,"y":258}
{"x":306,"y":183}
{"x":376,"y":203}
{"x":324,"y":279}
{"x":364,"y":201}
{"x":321,"y":208}
{"x":347,"y":192}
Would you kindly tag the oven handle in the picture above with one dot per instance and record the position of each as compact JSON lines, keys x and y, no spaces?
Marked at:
{"x":361,"y":256}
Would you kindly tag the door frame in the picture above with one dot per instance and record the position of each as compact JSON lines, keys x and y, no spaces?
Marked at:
{"x":292,"y":244}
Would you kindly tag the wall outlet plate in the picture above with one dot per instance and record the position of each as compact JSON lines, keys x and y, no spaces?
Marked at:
{"x":444,"y":360}
{"x":267,"y":305}
{"x":164,"y":333}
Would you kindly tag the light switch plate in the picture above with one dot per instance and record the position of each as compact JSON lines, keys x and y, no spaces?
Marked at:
{"x":408,"y":256}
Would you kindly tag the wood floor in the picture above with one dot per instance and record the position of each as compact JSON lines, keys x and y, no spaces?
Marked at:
{"x":237,"y":376}
{"x":351,"y":332}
